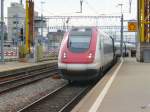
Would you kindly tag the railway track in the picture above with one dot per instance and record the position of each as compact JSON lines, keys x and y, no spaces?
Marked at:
{"x":62,"y":99}
{"x":14,"y":81}
{"x":8,"y":75}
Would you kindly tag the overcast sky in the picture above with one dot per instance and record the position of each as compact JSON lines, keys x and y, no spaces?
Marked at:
{"x":90,"y":7}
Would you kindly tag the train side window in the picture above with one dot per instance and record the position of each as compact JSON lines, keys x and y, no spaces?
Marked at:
{"x":101,"y":41}
{"x":100,"y":45}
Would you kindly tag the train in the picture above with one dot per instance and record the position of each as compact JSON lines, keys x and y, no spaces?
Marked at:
{"x":124,"y":49}
{"x":85,"y":53}
{"x":127,"y":48}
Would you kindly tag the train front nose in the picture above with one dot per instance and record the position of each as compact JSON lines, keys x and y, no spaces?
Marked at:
{"x":78,"y":58}
{"x":78,"y":55}
{"x":79,"y":75}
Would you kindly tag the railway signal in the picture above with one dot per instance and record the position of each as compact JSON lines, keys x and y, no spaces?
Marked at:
{"x":21,"y":35}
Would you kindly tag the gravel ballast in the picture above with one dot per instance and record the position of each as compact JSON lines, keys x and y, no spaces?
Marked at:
{"x":13,"y":101}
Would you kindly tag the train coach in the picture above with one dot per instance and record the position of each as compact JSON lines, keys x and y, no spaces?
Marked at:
{"x":85,"y":53}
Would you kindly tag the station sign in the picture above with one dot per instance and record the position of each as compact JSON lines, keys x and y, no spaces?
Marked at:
{"x":132,"y":26}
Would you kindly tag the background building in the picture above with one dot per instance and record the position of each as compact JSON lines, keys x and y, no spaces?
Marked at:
{"x":16,"y":20}
{"x":5,"y":32}
{"x":55,"y":38}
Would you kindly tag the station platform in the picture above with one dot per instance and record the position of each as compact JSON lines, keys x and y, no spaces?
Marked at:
{"x":125,"y":88}
{"x":8,"y":66}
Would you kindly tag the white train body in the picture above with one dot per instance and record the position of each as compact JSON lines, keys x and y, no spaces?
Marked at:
{"x":84,"y":53}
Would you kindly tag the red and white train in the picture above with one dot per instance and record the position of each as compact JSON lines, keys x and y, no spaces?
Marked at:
{"x":84,"y":53}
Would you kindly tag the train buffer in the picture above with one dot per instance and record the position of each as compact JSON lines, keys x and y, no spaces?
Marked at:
{"x":125,"y":88}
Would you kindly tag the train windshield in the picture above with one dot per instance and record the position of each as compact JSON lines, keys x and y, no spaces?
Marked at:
{"x":79,"y":43}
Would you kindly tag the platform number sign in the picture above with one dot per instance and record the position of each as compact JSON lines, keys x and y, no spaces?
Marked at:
{"x":132,"y":26}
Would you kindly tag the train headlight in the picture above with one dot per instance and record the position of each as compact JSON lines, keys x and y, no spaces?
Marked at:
{"x":90,"y":56}
{"x":64,"y":55}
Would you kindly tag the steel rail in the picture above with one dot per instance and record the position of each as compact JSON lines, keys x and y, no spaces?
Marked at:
{"x":26,"y":75}
{"x":42,"y":98}
{"x":69,"y":106}
{"x":6,"y":87}
{"x":24,"y":70}
{"x":68,"y":101}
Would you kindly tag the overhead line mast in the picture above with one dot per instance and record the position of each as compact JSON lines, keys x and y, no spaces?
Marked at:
{"x":143,"y":53}
{"x":29,"y":24}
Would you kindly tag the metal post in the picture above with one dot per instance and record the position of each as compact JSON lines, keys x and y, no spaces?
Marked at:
{"x":81,"y":2}
{"x":42,"y":18}
{"x":27,"y":26}
{"x":121,"y":42}
{"x":42,"y":25}
{"x":17,"y":36}
{"x":2,"y":31}
{"x":21,"y":2}
{"x":130,"y":3}
{"x":35,"y":49}
{"x":142,"y":14}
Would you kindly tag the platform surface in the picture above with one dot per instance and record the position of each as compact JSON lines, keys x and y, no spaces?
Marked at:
{"x":17,"y":65}
{"x":129,"y":91}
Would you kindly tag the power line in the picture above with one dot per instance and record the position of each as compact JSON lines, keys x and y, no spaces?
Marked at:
{"x":37,"y":7}
{"x":92,"y":8}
